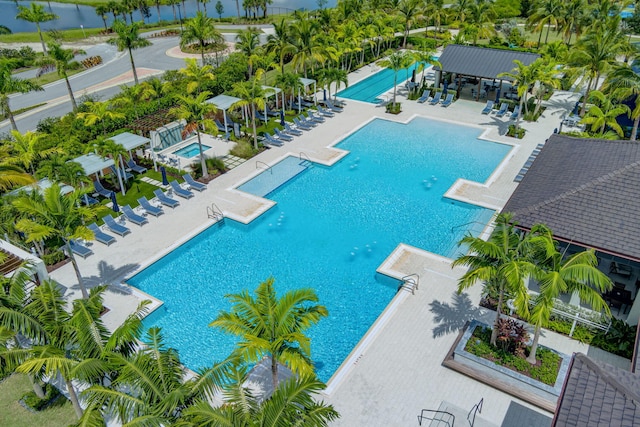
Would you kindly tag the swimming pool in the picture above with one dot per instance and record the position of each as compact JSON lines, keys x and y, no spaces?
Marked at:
{"x":369,"y":89}
{"x":191,"y":150}
{"x":330,"y":229}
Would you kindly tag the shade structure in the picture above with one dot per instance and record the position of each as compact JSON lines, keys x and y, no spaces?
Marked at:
{"x":307,"y":83}
{"x":114,"y":203}
{"x":40,"y":186}
{"x":92,"y":163}
{"x":223,"y":102}
{"x":130,"y":140}
{"x":268,"y":92}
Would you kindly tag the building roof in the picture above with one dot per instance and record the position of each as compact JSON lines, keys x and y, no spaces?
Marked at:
{"x":129,"y":140}
{"x":482,"y":62}
{"x":222,"y":102}
{"x":597,"y":394}
{"x":40,"y":186}
{"x":92,"y":163}
{"x":587,"y":191}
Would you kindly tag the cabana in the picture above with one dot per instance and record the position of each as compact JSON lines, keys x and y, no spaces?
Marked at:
{"x":40,"y":186}
{"x":305,"y":84}
{"x":268,"y":92}
{"x":223,"y":102}
{"x":93,"y":164}
{"x":132,"y":141}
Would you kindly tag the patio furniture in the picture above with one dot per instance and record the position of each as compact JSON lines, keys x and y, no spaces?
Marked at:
{"x":135,"y":167}
{"x":488,"y":108}
{"x":448,"y":100}
{"x":101,"y":236}
{"x":149,"y":208}
{"x":193,"y":183}
{"x":133,"y":217}
{"x":80,"y":249}
{"x":97,"y":185}
{"x":185,"y":194}
{"x":165,"y":200}
{"x":436,"y":98}
{"x":111,"y":224}
{"x":504,"y":107}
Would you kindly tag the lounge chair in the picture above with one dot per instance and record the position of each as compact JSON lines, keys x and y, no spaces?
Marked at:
{"x":87,"y":200}
{"x":97,"y":185}
{"x":300,"y":125}
{"x":111,"y":224}
{"x":101,"y":236}
{"x":193,"y":183}
{"x":269,"y":140}
{"x":261,"y":116}
{"x":135,"y":167}
{"x":221,"y":127}
{"x":488,"y":108}
{"x":515,"y":113}
{"x":149,"y":208}
{"x":504,"y":107}
{"x":127,"y":176}
{"x":436,"y":99}
{"x":272,"y":113}
{"x":185,"y":194}
{"x":80,"y":249}
{"x":282,"y":136}
{"x":425,"y":96}
{"x":312,"y":117}
{"x":291,"y":131}
{"x":324,"y":112}
{"x":166,"y":200}
{"x":333,"y":107}
{"x":133,"y":217}
{"x":448,"y":100}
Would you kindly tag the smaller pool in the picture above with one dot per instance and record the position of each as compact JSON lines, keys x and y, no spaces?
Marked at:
{"x":190,"y":150}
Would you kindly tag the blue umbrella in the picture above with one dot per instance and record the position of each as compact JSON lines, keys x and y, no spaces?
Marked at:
{"x":281,"y":118}
{"x":324,"y":94}
{"x":498,"y":95}
{"x":114,"y":202}
{"x":576,"y":108}
{"x":163,"y":171}
{"x":445,"y":86}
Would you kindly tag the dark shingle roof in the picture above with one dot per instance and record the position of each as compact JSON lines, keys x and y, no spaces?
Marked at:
{"x":587,"y":191}
{"x":597,"y":394}
{"x":481,"y":62}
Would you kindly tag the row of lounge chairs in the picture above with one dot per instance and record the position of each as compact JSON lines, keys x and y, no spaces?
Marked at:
{"x":504,"y":109}
{"x":304,"y":122}
{"x":437,"y":98}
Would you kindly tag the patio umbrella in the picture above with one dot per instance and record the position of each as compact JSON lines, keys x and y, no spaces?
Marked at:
{"x":281,"y":118}
{"x":576,"y":108}
{"x":413,"y":76}
{"x":163,"y":171}
{"x":498,"y":95}
{"x":114,"y":202}
{"x":324,"y":94}
{"x":445,"y":86}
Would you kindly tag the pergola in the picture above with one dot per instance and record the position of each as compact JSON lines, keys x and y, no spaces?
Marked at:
{"x":92,"y":163}
{"x":40,"y":186}
{"x":268,"y":92}
{"x":305,"y":84}
{"x":223,"y":102}
{"x":132,"y":141}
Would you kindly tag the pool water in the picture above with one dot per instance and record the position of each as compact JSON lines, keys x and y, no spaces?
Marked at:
{"x":330,"y":229}
{"x":191,"y":150}
{"x":369,"y":89}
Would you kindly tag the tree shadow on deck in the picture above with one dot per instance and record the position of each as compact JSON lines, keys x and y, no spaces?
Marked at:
{"x":452,"y":317}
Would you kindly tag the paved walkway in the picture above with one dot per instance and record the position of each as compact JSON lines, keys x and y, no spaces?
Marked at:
{"x":396,"y":370}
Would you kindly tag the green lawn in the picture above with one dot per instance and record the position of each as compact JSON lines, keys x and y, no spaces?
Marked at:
{"x":13,"y":414}
{"x":67,"y":36}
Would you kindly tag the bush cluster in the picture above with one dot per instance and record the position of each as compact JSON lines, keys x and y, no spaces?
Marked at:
{"x":34,"y":403}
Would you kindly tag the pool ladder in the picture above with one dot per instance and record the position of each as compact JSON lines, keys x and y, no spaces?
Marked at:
{"x":215,"y":213}
{"x":410,"y":283}
{"x":263,"y":165}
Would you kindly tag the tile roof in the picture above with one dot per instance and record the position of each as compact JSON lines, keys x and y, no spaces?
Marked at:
{"x":480,"y":61}
{"x":597,"y":394}
{"x":587,"y":191}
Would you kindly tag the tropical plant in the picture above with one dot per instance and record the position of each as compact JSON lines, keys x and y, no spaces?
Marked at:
{"x":11,"y":175}
{"x":109,"y":148}
{"x":279,"y":43}
{"x":268,"y":325}
{"x":409,"y":10}
{"x":503,"y":261}
{"x":200,"y":29}
{"x":26,"y":149}
{"x":251,"y":95}
{"x":396,"y":61}
{"x":622,"y":84}
{"x":195,"y":112}
{"x":101,"y":11}
{"x":196,"y":75}
{"x":248,"y":42}
{"x":129,"y":39}
{"x":522,"y":76}
{"x":547,"y":13}
{"x":99,"y":112}
{"x":36,"y":14}
{"x":604,"y":113}
{"x":10,"y":84}
{"x":62,"y":60}
{"x":307,"y":48}
{"x":54,"y":215}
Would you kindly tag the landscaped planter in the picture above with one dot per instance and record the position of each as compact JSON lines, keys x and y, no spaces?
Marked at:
{"x":394,"y":109}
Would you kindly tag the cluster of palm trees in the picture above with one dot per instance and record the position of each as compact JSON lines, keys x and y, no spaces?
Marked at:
{"x":510,"y":258}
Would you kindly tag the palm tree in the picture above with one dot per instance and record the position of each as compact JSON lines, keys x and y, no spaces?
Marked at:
{"x":36,"y":14}
{"x":410,"y":11}
{"x":12,"y":175}
{"x":26,"y":149}
{"x":128,"y":38}
{"x":396,"y":61}
{"x":133,"y":96}
{"x":200,"y":29}
{"x":248,"y":42}
{"x":623,"y":83}
{"x":522,"y":76}
{"x":574,"y":15}
{"x":195,"y":112}
{"x":101,"y":11}
{"x":337,"y":76}
{"x":290,"y":84}
{"x":503,"y":262}
{"x":292,"y":403}
{"x":556,"y":275}
{"x":99,"y":112}
{"x":306,"y":45}
{"x":251,"y":95}
{"x":547,"y":13}
{"x":481,"y":17}
{"x":109,"y":148}
{"x":62,"y":60}
{"x":279,"y":43}
{"x":54,"y":215}
{"x":604,"y":114}
{"x":9,"y":85}
{"x":196,"y":75}
{"x":268,"y":325}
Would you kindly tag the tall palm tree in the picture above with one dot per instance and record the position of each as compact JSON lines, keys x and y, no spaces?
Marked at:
{"x":26,"y":149}
{"x":36,"y":14}
{"x":101,"y":11}
{"x":306,"y":46}
{"x":10,"y":84}
{"x":481,"y":18}
{"x":54,"y":215}
{"x":623,"y":83}
{"x":503,"y":262}
{"x":338,"y":77}
{"x":251,"y":95}
{"x":99,"y":112}
{"x":248,"y":42}
{"x":557,"y":275}
{"x":196,"y":75}
{"x":573,"y":17}
{"x":268,"y":325}
{"x":195,"y":112}
{"x":279,"y":43}
{"x":409,"y":10}
{"x":547,"y":14}
{"x":396,"y":61}
{"x":109,"y":148}
{"x":604,"y":113}
{"x":290,"y":84}
{"x":200,"y":29}
{"x":62,"y":60}
{"x":134,"y":96}
{"x":128,"y":38}
{"x":522,"y":76}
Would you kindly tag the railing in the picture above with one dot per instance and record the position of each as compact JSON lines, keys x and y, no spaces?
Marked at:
{"x":455,"y":227}
{"x":439,"y":416}
{"x":266,"y":166}
{"x":214,"y":212}
{"x":576,"y":318}
{"x":303,"y":156}
{"x":410,"y":282}
{"x":477,"y":409}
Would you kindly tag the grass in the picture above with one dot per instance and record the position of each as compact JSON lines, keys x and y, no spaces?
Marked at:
{"x":20,"y":111}
{"x":53,"y":77}
{"x":70,"y":35}
{"x":13,"y":414}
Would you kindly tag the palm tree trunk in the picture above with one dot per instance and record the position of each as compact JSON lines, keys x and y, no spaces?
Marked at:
{"x":85,"y":294}
{"x":539,"y":38}
{"x":5,"y":107}
{"x":73,"y":100}
{"x":274,"y":372}
{"x":73,"y":397}
{"x":105,"y":23}
{"x":634,"y":131}
{"x":238,"y":8}
{"x":534,"y":347}
{"x":395,"y":85}
{"x":494,"y":331}
{"x":44,"y":47}
{"x":133,"y":67}
{"x":518,"y":118}
{"x":158,"y":10}
{"x":586,"y":96}
{"x":203,"y":163}
{"x":37,"y":388}
{"x":173,"y":7}
{"x":253,"y":124}
{"x":546,"y":38}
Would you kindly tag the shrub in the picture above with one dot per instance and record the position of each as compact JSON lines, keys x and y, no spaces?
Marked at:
{"x":519,"y":133}
{"x":53,"y":257}
{"x":243,"y":149}
{"x":33,"y":402}
{"x":215,"y":166}
{"x":618,"y":340}
{"x":394,"y":108}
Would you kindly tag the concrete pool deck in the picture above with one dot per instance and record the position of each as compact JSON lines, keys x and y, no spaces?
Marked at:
{"x":397,"y":371}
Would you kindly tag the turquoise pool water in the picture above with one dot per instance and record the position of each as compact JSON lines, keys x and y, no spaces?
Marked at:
{"x":330,"y":229}
{"x":191,"y":150}
{"x":369,"y":89}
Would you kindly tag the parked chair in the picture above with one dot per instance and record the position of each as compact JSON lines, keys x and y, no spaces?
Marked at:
{"x":127,"y":176}
{"x":436,"y":99}
{"x":312,"y":117}
{"x":488,"y":108}
{"x":282,"y":136}
{"x":97,"y":185}
{"x":426,"y":94}
{"x":333,"y":106}
{"x":193,"y":183}
{"x":448,"y":100}
{"x":300,"y":125}
{"x":324,"y":112}
{"x":111,"y":224}
{"x":269,"y":140}
{"x":221,"y":127}
{"x":185,"y":194}
{"x":135,"y":167}
{"x":291,"y":131}
{"x":166,"y":200}
{"x":504,"y":107}
{"x":87,"y":200}
{"x":261,"y":116}
{"x":272,"y":113}
{"x":101,"y":236}
{"x":80,"y":249}
{"x":149,"y":208}
{"x":133,"y":217}
{"x":515,"y":113}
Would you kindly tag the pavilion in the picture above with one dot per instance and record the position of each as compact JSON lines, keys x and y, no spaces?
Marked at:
{"x":132,"y":141}
{"x":223,"y":102}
